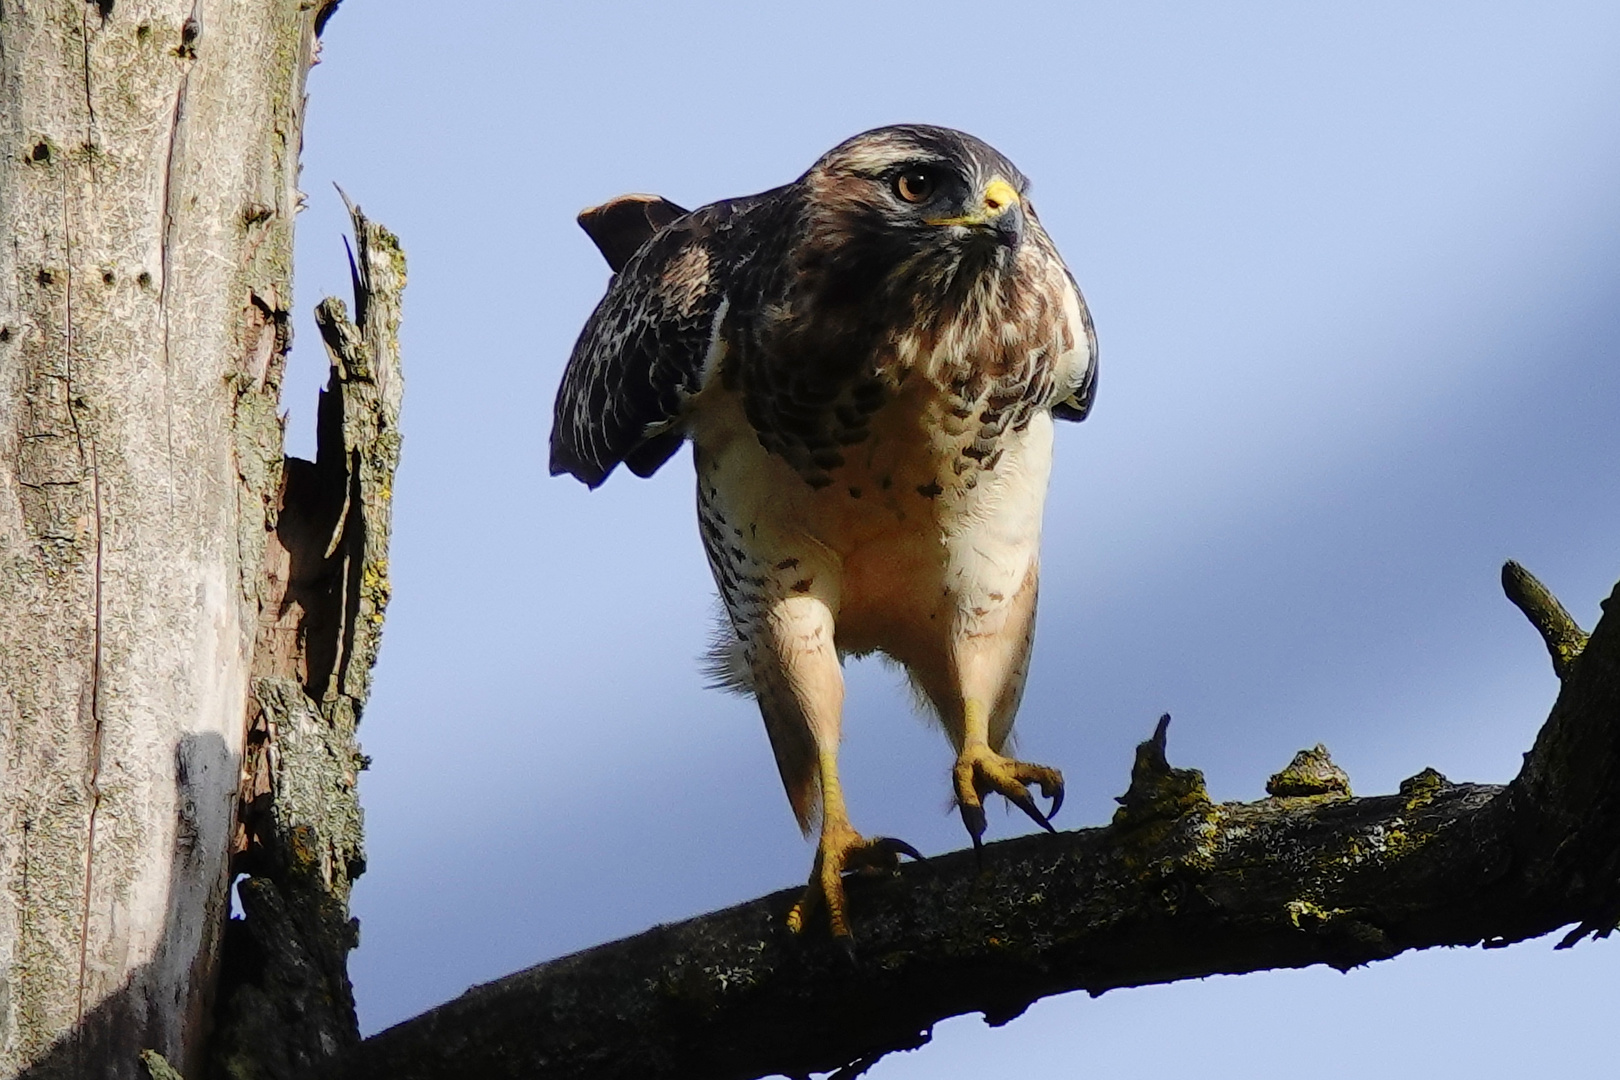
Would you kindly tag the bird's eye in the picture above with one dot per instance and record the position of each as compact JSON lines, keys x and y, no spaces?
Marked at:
{"x":914,"y":185}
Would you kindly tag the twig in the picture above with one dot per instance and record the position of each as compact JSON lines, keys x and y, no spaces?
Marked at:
{"x":1563,"y":636}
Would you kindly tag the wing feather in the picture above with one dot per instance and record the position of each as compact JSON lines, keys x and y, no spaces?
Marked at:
{"x":661,"y":330}
{"x":1077,"y":406}
{"x":640,"y":356}
{"x":620,"y":226}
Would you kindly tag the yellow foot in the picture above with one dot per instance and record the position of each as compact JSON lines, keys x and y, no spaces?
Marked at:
{"x":843,"y":849}
{"x":980,"y":770}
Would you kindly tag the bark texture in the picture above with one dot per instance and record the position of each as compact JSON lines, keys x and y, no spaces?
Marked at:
{"x":148,"y":169}
{"x":286,"y":1005}
{"x":1176,"y":887}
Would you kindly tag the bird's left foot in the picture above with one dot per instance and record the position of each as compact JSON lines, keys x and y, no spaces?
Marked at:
{"x":980,"y":770}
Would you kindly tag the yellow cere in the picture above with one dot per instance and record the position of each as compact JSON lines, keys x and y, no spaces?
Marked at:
{"x":998,"y":197}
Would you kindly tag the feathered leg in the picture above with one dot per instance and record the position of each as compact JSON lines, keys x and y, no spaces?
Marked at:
{"x":976,"y":690}
{"x":782,"y":591}
{"x":991,"y":671}
{"x":801,"y":692}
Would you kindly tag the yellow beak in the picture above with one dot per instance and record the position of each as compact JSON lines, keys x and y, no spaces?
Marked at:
{"x":999,"y":197}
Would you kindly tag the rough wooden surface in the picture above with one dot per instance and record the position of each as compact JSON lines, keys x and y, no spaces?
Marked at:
{"x":1176,"y":887}
{"x":148,"y":169}
{"x":285,"y":1001}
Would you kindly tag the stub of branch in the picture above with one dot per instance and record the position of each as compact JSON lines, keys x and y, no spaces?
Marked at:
{"x":1310,"y":775}
{"x":1177,"y":887}
{"x":285,"y":1001}
{"x":1562,"y":635}
{"x":366,"y":368}
{"x":1159,"y":793}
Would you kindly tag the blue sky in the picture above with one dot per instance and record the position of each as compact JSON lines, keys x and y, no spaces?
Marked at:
{"x":1356,"y":279}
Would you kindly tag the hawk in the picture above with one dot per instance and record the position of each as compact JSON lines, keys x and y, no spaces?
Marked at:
{"x":867,"y":362}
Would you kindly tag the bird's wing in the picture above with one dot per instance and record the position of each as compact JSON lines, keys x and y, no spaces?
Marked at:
{"x":647,"y":346}
{"x":620,"y":226}
{"x":1077,"y":406}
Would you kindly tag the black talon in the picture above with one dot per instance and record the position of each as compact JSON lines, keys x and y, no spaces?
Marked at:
{"x":973,"y":818}
{"x":846,"y":946}
{"x":1057,"y":803}
{"x":895,"y":846}
{"x":1026,"y":802}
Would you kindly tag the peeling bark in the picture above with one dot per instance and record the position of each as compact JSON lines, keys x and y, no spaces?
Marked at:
{"x":1176,"y":887}
{"x":285,"y":1004}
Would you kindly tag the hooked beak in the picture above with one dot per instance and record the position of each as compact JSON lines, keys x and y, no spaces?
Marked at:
{"x":1000,"y":211}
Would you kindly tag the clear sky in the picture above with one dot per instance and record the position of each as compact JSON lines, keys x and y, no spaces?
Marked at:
{"x":1355,"y":271}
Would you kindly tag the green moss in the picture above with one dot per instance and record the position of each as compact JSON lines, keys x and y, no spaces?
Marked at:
{"x":1306,"y":915}
{"x":158,"y":1067}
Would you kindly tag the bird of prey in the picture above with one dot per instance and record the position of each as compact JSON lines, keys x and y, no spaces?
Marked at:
{"x":868,"y":362}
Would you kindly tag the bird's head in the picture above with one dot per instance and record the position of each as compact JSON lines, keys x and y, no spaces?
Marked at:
{"x":914,"y":209}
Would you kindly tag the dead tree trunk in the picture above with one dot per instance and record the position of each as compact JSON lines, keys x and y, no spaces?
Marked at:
{"x":148,"y":170}
{"x":285,"y":1001}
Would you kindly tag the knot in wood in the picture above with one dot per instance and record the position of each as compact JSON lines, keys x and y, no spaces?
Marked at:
{"x":1312,"y":772}
{"x":1422,"y":788}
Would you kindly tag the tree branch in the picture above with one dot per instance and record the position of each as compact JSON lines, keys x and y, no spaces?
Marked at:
{"x":1563,"y":637}
{"x":1176,"y":887}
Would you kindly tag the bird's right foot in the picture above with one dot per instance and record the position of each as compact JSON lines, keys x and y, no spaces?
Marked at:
{"x":842,"y":850}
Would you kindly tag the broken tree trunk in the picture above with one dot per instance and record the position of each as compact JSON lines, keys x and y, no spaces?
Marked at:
{"x":1177,"y":887}
{"x":148,"y":171}
{"x":285,"y":1001}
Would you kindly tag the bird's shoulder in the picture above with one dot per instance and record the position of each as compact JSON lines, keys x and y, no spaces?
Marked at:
{"x":650,"y":344}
